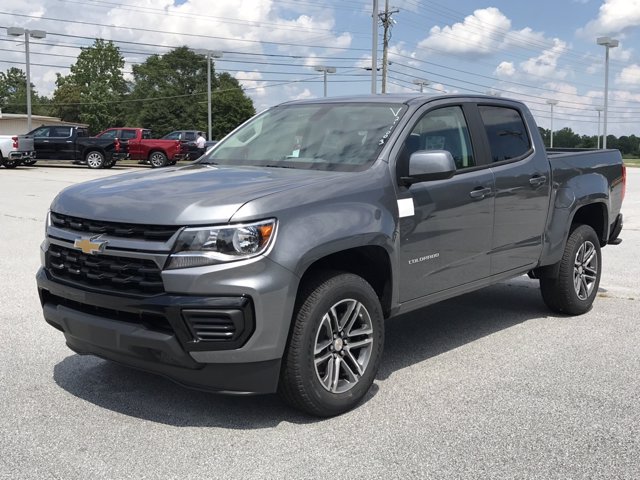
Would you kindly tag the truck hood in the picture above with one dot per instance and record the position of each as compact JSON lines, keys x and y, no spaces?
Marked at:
{"x":190,"y":195}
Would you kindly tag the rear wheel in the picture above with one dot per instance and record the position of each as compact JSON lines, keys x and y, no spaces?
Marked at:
{"x":576,"y":286}
{"x":95,"y":159}
{"x":335,"y":346}
{"x":29,"y":162}
{"x":157,"y":159}
{"x":8,"y":163}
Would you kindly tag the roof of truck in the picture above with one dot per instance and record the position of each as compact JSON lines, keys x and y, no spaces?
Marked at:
{"x":407,"y":98}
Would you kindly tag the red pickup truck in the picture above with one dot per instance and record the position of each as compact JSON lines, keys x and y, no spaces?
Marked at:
{"x":140,"y":146}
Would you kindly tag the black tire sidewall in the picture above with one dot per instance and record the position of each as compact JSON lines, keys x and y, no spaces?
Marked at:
{"x":343,"y":286}
{"x":577,"y":238}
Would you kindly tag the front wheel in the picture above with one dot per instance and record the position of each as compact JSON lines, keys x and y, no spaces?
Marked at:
{"x":157,"y":159}
{"x":95,"y":159}
{"x":29,"y":162}
{"x":576,"y":286}
{"x":335,"y":346}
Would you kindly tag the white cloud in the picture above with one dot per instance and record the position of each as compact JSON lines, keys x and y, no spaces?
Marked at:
{"x":614,"y":17}
{"x":478,"y":34}
{"x":629,"y":75}
{"x":505,"y":69}
{"x":546,"y":64}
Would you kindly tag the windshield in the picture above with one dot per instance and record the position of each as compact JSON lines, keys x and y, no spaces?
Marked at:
{"x":327,"y":136}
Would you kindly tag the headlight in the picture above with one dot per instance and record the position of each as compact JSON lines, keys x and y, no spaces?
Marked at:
{"x":200,"y":246}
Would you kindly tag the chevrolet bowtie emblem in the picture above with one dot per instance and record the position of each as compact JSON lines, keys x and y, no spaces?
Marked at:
{"x":90,"y":246}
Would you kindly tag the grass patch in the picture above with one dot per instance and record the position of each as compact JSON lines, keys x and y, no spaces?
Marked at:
{"x":632,"y":162}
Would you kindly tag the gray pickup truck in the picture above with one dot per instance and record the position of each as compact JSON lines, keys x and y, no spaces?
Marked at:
{"x":271,"y":263}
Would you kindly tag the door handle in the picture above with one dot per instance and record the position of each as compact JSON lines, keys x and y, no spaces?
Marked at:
{"x":537,"y":180}
{"x":479,"y":192}
{"x":69,"y":141}
{"x":45,"y":141}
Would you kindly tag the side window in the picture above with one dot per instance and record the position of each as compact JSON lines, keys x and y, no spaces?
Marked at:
{"x":442,"y":129}
{"x":146,"y":134}
{"x":128,"y":134}
{"x":60,"y":132}
{"x":190,"y":136}
{"x":109,"y":134}
{"x":506,"y":131}
{"x":42,"y":132}
{"x":82,"y":132}
{"x":172,"y":136}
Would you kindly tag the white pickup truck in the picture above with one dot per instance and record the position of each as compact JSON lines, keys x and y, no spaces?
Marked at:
{"x":15,"y":150}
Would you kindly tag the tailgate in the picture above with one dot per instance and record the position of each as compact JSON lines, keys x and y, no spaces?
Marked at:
{"x":25,"y":144}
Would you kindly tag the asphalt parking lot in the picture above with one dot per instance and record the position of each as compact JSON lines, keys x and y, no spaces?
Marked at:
{"x":488,"y":385}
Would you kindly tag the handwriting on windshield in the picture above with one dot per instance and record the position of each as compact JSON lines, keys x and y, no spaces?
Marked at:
{"x":396,"y":119}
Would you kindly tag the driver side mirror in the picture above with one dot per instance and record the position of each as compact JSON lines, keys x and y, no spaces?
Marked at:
{"x":426,"y":166}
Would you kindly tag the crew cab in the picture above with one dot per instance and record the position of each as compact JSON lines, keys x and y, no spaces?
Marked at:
{"x":72,"y":142}
{"x":141,"y":146}
{"x":270,"y":264}
{"x":15,"y":150}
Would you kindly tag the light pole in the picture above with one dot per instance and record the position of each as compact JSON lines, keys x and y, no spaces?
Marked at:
{"x":607,"y":43}
{"x":18,"y":32}
{"x":598,"y":109}
{"x":421,"y":83}
{"x":209,"y":54}
{"x":552,"y":102}
{"x":325,"y":70}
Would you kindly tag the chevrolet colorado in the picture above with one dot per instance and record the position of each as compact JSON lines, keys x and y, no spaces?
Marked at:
{"x":272,"y":262}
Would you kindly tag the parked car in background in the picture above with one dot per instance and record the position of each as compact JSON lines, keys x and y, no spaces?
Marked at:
{"x":16,"y":149}
{"x":188,"y":139}
{"x":141,"y":146}
{"x":71,"y":142}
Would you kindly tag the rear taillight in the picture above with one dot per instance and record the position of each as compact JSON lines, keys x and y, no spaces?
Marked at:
{"x":624,"y":180}
{"x":16,"y":143}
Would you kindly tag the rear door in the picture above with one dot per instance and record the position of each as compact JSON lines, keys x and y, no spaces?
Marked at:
{"x":523,"y":180}
{"x":445,"y":226}
{"x":64,"y":141}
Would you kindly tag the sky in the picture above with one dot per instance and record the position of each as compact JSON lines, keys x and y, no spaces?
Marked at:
{"x":531,"y":51}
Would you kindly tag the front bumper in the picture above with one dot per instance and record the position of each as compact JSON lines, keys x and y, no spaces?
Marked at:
{"x":163,"y":333}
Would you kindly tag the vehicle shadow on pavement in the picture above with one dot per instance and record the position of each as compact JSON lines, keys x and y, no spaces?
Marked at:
{"x":439,"y":328}
{"x":410,"y":339}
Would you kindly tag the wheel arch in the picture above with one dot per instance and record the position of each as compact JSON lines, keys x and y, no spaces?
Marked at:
{"x":595,"y":215}
{"x":371,"y":262}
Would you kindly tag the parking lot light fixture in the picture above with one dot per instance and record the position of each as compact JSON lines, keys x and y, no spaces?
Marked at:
{"x":607,"y":43}
{"x":38,"y":34}
{"x":421,"y":83}
{"x":325,"y":70}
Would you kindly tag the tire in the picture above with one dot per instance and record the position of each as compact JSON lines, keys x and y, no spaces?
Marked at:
{"x":575,"y":288}
{"x":326,"y":334}
{"x":109,"y":164}
{"x":30,"y":162}
{"x":11,"y":163}
{"x":157,"y":159}
{"x":95,"y":159}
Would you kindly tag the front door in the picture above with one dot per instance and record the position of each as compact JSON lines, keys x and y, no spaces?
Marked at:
{"x":43,"y":145}
{"x":446,"y":226}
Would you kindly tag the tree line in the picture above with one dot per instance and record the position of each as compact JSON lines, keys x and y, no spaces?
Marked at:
{"x":567,"y":138}
{"x":167,"y":92}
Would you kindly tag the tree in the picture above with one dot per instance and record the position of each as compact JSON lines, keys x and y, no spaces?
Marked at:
{"x":93,"y":92}
{"x":565,"y":138}
{"x":13,"y":94}
{"x":170,"y":93}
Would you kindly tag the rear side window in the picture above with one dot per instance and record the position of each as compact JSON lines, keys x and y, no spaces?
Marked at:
{"x":61,"y":132}
{"x":506,"y":131}
{"x":128,"y":134}
{"x":172,"y":136}
{"x":190,"y":136}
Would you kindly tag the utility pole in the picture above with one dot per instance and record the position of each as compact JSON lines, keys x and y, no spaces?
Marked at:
{"x":387,"y":23}
{"x":374,"y":47}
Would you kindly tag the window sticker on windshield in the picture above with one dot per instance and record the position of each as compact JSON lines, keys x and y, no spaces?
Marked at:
{"x":396,"y":119}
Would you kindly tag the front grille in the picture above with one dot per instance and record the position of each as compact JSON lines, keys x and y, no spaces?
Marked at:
{"x":126,"y":230}
{"x":152,"y":321}
{"x":105,"y":272}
